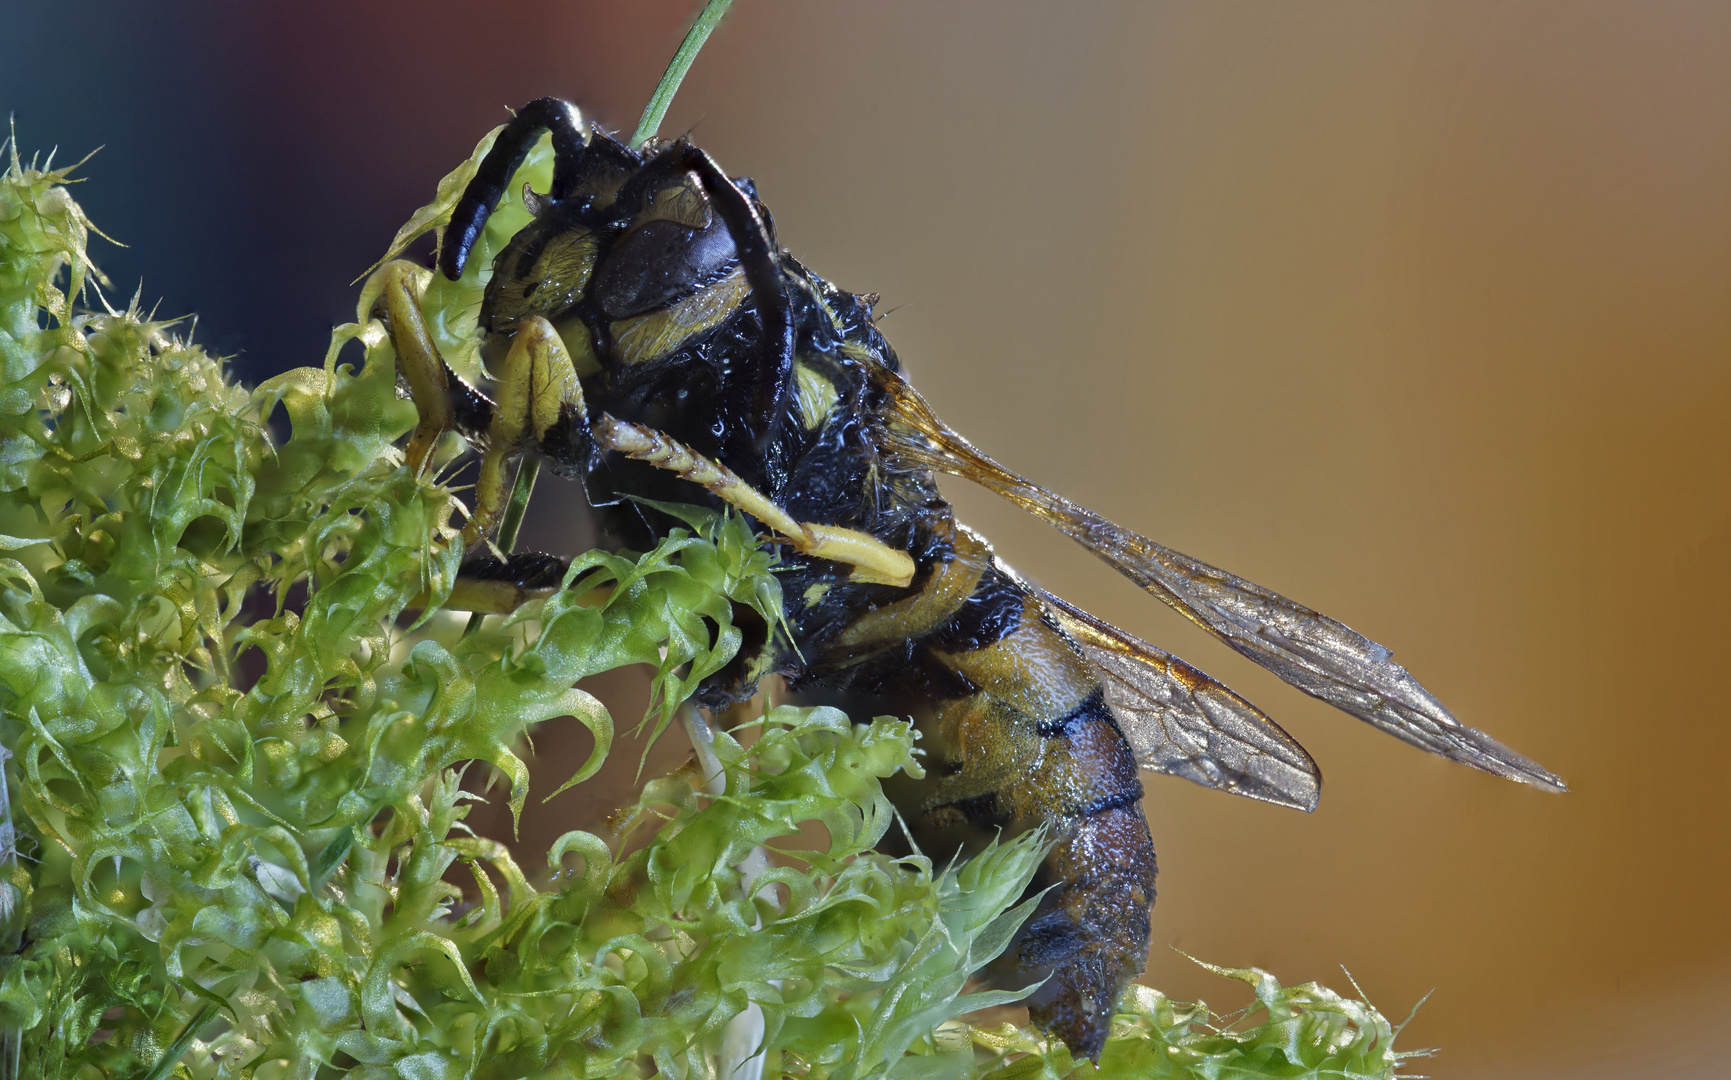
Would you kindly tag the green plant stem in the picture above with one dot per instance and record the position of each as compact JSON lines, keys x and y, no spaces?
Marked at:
{"x":700,"y":30}
{"x":513,"y":520}
{"x":11,"y":1037}
{"x":707,"y":20}
{"x":172,"y":1055}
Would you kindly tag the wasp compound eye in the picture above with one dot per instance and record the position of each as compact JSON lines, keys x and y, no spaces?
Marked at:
{"x":545,"y":270}
{"x":660,"y":262}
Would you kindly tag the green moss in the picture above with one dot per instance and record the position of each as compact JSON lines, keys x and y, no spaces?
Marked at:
{"x":236,"y":751}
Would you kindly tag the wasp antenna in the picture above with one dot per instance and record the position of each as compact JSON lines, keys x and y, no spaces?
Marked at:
{"x":750,"y":232}
{"x":512,"y":145}
{"x":685,"y":135}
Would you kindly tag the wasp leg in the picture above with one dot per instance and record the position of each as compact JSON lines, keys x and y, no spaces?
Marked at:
{"x":500,"y":586}
{"x":397,"y":288}
{"x":872,"y":560}
{"x":540,"y":400}
{"x":540,"y":405}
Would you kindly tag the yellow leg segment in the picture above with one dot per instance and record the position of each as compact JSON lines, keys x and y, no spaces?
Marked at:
{"x":534,"y":384}
{"x":872,"y":560}
{"x":399,"y":285}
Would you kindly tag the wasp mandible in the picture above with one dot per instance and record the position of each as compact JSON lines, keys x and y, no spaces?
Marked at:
{"x":651,"y":339}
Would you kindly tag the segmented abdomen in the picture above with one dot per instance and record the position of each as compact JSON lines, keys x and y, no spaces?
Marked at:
{"x":1025,"y":732}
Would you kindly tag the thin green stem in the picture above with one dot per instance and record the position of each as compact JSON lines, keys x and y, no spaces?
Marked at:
{"x":513,"y":520}
{"x":707,"y":20}
{"x":514,"y":510}
{"x":171,"y":1057}
{"x":675,"y":73}
{"x":11,"y":918}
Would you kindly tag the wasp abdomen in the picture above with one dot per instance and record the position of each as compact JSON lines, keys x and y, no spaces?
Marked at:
{"x":1033,"y":743}
{"x":1091,"y":932}
{"x":992,"y":613}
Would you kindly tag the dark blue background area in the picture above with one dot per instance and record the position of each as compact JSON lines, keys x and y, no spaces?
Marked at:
{"x":257,"y":159}
{"x":138,"y":81}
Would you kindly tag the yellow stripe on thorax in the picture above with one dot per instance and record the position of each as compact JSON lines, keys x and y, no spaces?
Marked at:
{"x":655,"y":334}
{"x":814,"y":392}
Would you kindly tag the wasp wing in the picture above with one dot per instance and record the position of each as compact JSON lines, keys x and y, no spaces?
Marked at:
{"x":1313,"y":652}
{"x":1183,"y":723}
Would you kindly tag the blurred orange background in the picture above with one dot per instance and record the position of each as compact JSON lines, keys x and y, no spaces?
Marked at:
{"x":1419,"y":313}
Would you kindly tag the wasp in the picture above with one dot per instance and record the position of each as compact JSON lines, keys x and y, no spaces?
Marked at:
{"x":650,"y":338}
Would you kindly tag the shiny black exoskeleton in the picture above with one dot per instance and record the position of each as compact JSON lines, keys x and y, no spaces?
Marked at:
{"x":605,"y":249}
{"x":664,"y":281}
{"x":652,"y":339}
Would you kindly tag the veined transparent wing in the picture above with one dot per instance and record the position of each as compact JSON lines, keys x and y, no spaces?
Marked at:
{"x":1313,"y":652}
{"x":1181,"y":722}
